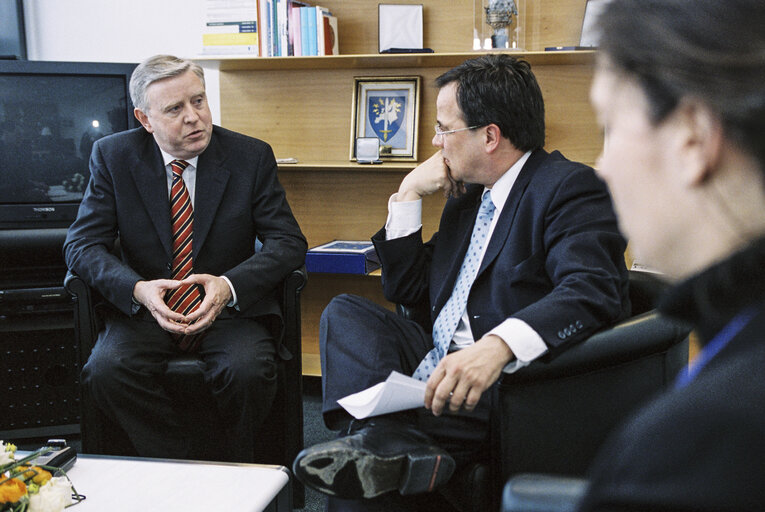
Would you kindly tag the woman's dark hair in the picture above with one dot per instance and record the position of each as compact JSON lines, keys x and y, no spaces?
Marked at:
{"x":502,"y":90}
{"x":712,"y":50}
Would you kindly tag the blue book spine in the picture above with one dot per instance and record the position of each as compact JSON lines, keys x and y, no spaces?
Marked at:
{"x":304,"y":15}
{"x":312,"y":30}
{"x":274,"y":32}
{"x":282,"y":25}
{"x":277,"y":28}
{"x":270,"y":32}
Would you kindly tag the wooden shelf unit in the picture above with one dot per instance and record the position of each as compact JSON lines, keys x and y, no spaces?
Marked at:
{"x":392,"y":61}
{"x":302,"y":107}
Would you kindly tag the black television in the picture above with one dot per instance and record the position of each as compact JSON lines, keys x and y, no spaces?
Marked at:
{"x":51,"y":113}
{"x":13,"y":40}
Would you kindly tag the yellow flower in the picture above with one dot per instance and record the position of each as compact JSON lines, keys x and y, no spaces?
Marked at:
{"x":28,"y":488}
{"x":36,"y":473}
{"x":12,"y":490}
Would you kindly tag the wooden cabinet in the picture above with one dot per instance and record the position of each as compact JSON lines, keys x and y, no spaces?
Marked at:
{"x":302,"y":107}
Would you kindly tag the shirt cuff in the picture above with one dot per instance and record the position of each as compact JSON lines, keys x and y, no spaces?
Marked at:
{"x":233,"y":301}
{"x":135,"y":306}
{"x":524,"y":341}
{"x":404,"y":218}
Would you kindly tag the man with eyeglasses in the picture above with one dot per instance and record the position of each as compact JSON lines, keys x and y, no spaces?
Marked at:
{"x":527,"y":260}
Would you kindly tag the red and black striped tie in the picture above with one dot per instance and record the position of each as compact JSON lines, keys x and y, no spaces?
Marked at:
{"x":187,"y":298}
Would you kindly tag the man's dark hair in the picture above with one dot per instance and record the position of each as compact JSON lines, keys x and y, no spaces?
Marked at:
{"x":711,"y":50}
{"x":502,"y":90}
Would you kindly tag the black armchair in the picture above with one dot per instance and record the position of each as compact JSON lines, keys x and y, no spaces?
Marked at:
{"x":555,"y":414}
{"x":280,"y":438}
{"x":533,"y":492}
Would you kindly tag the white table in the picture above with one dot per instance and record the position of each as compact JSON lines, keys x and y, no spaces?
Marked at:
{"x":117,"y":484}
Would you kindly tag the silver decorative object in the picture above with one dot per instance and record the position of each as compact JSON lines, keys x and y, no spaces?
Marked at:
{"x":499,"y":15}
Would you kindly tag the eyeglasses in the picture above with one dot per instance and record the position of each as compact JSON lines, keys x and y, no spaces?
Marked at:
{"x":441,"y":133}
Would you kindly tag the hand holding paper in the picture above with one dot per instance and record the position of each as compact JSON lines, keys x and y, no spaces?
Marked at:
{"x":398,"y":393}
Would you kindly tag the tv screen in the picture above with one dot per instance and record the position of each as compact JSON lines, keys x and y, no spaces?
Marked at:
{"x":13,"y":43}
{"x":51,"y":113}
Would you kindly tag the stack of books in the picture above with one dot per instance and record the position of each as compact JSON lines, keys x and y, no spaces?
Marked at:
{"x":293,"y":28}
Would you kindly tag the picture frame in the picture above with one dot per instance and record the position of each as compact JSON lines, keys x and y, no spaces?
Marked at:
{"x":399,"y":27}
{"x":590,"y":35}
{"x":387,"y":108}
{"x":368,"y":150}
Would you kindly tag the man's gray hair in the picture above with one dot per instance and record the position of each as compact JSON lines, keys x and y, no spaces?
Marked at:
{"x":157,"y":68}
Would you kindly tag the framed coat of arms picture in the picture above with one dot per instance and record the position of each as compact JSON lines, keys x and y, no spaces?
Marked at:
{"x":387,"y":108}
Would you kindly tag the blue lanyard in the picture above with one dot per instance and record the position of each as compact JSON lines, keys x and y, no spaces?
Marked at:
{"x":715,"y":346}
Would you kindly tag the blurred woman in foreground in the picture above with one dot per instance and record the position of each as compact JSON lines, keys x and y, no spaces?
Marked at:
{"x":680,"y":92}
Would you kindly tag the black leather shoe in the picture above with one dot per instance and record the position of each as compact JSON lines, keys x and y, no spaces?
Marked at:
{"x":379,"y":457}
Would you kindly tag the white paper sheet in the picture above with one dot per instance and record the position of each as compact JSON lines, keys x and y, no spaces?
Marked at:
{"x":398,"y":393}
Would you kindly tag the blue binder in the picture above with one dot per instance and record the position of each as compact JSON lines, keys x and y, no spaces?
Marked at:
{"x":342,"y":257}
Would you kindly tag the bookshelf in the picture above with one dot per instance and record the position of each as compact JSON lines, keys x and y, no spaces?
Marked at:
{"x":302,"y":107}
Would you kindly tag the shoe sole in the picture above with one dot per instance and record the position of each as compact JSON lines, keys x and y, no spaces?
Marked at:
{"x":355,"y":474}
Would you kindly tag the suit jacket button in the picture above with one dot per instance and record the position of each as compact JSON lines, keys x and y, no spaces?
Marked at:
{"x":579,"y":324}
{"x":169,"y":266}
{"x":562,"y":335}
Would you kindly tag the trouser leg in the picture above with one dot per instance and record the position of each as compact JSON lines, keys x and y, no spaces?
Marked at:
{"x":241,"y":372}
{"x":123,"y":378}
{"x":360,"y":344}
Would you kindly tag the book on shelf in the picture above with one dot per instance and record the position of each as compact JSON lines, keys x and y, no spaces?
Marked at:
{"x":343,"y":257}
{"x":305,"y":41}
{"x":295,"y":28}
{"x":311,"y":22}
{"x":231,"y":29}
{"x":264,"y":31}
{"x":321,"y":13}
{"x":330,"y":36}
{"x":282,"y":30}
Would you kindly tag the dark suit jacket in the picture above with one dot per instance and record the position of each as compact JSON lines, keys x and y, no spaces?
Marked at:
{"x":700,"y":447}
{"x":555,"y":259}
{"x":237,"y":198}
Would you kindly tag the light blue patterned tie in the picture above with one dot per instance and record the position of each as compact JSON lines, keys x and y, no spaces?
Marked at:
{"x":447,"y":320}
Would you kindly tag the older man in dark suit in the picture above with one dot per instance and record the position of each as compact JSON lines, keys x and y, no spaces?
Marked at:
{"x":187,"y":201}
{"x":526,"y":261}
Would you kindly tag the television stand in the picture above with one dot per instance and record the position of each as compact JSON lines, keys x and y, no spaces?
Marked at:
{"x":38,"y":361}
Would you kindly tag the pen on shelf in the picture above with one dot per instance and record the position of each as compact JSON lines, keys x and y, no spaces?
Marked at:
{"x":567,"y":48}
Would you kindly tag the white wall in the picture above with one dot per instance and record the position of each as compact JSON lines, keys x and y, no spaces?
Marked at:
{"x":119,"y":31}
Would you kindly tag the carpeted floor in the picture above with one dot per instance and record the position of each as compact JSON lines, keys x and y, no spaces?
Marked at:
{"x":314,"y":432}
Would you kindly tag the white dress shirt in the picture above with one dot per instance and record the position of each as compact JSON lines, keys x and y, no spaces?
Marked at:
{"x":405,"y":218}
